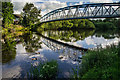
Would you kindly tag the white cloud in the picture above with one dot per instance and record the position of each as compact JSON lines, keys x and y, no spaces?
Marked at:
{"x":18,"y":7}
{"x":46,"y":6}
{"x":80,"y":3}
{"x":101,"y":1}
{"x":28,"y":0}
{"x":49,"y":6}
{"x":31,"y":0}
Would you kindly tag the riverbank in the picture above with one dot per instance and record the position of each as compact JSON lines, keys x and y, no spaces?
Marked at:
{"x":20,"y":55}
{"x":100,"y":64}
{"x":66,"y":25}
{"x":105,"y":24}
{"x":13,"y":31}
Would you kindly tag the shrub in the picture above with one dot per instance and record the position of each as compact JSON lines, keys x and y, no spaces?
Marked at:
{"x":100,"y":64}
{"x":44,"y":71}
{"x":104,"y":25}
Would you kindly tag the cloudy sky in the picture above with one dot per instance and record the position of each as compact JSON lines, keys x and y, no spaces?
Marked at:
{"x":49,"y":5}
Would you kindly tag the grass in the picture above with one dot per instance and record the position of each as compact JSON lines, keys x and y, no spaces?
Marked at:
{"x":45,"y":71}
{"x":96,"y":64}
{"x":100,"y":64}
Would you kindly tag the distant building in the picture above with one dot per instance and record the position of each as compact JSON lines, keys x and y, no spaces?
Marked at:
{"x":17,"y":18}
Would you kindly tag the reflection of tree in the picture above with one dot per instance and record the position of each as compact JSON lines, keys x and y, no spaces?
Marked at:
{"x":31,"y":42}
{"x":108,"y":34}
{"x":69,"y":36}
{"x":82,"y":34}
{"x":8,"y":51}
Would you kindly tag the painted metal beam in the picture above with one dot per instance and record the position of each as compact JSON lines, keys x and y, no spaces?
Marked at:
{"x":85,"y":11}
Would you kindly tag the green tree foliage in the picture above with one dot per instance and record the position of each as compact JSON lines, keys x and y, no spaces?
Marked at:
{"x":30,"y":15}
{"x":8,"y":51}
{"x":108,"y":23}
{"x":105,"y":25}
{"x":68,"y":24}
{"x":0,"y":9}
{"x":7,"y":13}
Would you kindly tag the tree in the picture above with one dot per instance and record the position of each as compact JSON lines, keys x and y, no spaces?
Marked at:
{"x":67,"y":24}
{"x":30,"y":15}
{"x":7,"y":13}
{"x":8,"y":51}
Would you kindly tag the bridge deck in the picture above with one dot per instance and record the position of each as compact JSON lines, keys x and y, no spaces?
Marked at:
{"x":85,"y":11}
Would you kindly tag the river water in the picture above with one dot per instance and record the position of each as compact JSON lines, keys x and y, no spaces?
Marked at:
{"x":17,"y":55}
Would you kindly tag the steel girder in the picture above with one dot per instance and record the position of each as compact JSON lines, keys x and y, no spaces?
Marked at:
{"x":85,"y":11}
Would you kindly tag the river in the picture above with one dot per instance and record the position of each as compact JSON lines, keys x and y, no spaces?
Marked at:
{"x":67,"y":47}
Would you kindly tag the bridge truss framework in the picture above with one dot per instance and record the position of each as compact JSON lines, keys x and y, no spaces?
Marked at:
{"x":85,"y":11}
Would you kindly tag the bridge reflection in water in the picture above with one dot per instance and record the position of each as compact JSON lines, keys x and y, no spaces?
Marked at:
{"x":65,"y":51}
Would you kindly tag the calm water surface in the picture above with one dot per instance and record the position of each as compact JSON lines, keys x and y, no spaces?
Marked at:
{"x":17,"y":55}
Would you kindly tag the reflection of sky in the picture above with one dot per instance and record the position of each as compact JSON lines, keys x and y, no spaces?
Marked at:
{"x":17,"y":66}
{"x":20,"y":48}
{"x":96,"y":41}
{"x":92,"y":42}
{"x":21,"y":65}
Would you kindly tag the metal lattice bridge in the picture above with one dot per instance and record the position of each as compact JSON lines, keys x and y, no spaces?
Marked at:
{"x":85,"y":11}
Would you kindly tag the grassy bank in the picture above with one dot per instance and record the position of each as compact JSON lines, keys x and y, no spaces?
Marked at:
{"x":100,"y":64}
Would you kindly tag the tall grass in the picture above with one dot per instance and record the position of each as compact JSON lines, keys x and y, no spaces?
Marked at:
{"x":46,"y":71}
{"x":100,"y":64}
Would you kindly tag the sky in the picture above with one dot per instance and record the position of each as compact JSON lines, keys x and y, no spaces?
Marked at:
{"x":49,"y":5}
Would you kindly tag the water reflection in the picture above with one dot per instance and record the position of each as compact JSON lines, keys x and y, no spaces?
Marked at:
{"x":69,"y":35}
{"x":18,"y":53}
{"x":31,"y":42}
{"x":108,"y":34}
{"x":8,"y":51}
{"x":65,"y":52}
{"x":80,"y":38}
{"x":86,"y":38}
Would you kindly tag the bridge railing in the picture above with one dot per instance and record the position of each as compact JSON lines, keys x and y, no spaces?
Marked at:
{"x":99,"y":10}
